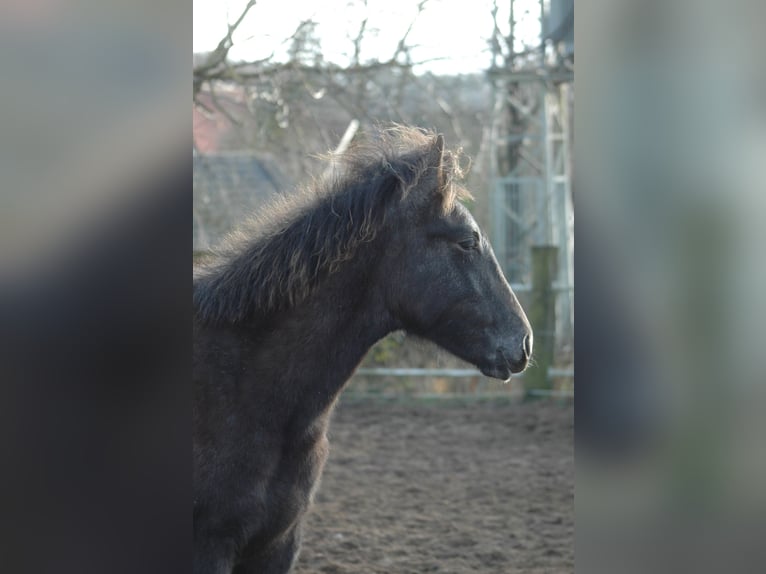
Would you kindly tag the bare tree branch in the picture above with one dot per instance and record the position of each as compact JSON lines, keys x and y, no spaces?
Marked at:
{"x":356,"y":59}
{"x":218,"y":57}
{"x":401,"y":47}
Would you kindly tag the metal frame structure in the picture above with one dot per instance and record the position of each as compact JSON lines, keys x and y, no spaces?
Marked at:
{"x":532,"y":202}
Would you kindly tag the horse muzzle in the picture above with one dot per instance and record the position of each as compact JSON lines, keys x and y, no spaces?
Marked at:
{"x":509,"y":359}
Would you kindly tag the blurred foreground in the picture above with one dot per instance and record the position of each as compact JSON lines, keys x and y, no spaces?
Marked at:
{"x":95,"y":196}
{"x":670,"y":166}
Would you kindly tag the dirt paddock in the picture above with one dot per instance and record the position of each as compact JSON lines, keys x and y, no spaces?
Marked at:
{"x":427,"y":487}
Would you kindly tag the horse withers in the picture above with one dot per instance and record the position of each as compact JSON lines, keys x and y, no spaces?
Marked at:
{"x":286,"y":310}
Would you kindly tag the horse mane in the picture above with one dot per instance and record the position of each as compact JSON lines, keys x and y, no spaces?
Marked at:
{"x":277,"y":258}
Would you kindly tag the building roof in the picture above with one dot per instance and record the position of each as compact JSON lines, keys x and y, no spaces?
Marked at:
{"x":228,"y":187}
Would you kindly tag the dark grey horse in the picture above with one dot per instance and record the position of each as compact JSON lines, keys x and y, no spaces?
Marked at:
{"x":284,"y":315}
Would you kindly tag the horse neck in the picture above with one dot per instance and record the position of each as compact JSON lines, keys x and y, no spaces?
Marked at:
{"x":319,"y":343}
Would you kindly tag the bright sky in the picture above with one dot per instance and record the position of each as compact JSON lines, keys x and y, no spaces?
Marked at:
{"x":453,"y":29}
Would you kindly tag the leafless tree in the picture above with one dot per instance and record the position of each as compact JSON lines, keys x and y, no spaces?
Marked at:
{"x":282,"y":89}
{"x":299,"y":106}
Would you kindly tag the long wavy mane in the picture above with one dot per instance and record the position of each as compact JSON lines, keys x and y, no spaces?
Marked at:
{"x":277,"y":259}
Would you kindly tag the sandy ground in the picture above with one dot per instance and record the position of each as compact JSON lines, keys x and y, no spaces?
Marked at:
{"x":430,"y":487}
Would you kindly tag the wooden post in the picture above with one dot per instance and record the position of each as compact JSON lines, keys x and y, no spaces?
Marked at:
{"x":542,"y":315}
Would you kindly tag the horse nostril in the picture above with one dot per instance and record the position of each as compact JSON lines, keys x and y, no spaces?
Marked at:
{"x":527,"y":346}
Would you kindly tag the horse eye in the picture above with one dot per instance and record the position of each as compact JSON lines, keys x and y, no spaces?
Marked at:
{"x":469,"y":243}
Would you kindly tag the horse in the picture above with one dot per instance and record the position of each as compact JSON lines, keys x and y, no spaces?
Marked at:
{"x":289,"y":306}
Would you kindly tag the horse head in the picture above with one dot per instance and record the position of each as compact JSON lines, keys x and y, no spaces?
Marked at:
{"x":444,"y":282}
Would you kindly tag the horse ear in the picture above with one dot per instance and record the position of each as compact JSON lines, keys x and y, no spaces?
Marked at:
{"x":437,"y":152}
{"x":436,"y":159}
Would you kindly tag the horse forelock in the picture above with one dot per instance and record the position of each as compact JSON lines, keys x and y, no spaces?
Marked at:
{"x":277,"y":258}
